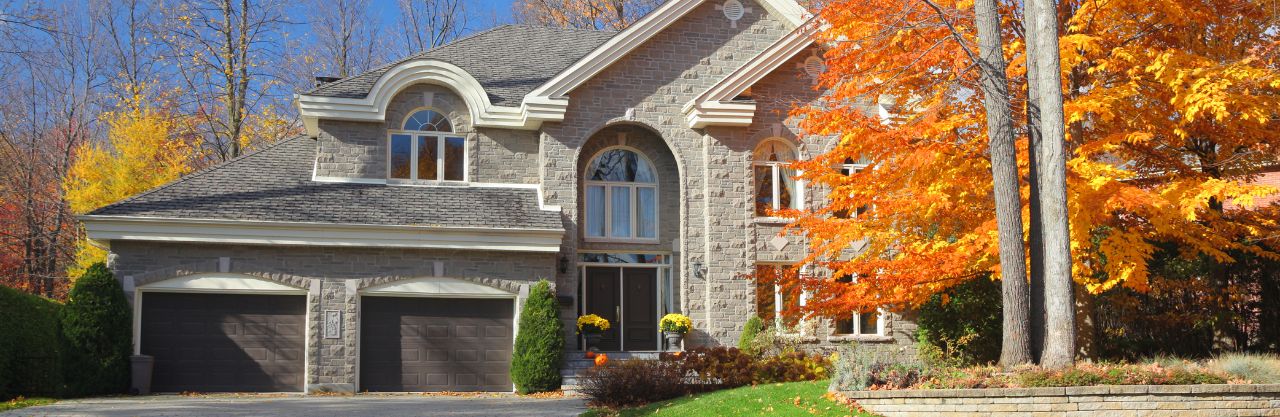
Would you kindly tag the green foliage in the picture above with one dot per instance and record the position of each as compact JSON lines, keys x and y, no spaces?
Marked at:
{"x":1252,"y":367}
{"x":746,"y":342}
{"x":963,"y":323}
{"x":539,"y":349}
{"x":793,"y":399}
{"x":1192,"y":305}
{"x":793,"y":366}
{"x":24,"y":402}
{"x":30,"y":347}
{"x":96,"y":325}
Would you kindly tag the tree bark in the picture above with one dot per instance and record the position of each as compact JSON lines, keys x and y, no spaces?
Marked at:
{"x":1035,"y":241}
{"x":1059,"y":305}
{"x":1015,"y":347}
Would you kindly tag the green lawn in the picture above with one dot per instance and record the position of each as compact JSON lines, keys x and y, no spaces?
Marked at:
{"x":20,"y":402}
{"x":798,"y":399}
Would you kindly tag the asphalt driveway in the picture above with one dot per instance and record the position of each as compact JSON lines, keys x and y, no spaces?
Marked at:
{"x":365,"y":405}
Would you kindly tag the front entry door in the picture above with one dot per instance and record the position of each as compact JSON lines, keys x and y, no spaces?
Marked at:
{"x":628,"y":298}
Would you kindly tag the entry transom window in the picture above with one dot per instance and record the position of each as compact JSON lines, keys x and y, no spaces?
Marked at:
{"x":775,"y":183}
{"x":621,"y":195}
{"x":426,"y":149}
{"x":860,"y":324}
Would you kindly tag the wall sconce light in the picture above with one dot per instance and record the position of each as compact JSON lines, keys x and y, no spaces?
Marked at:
{"x":564,"y":264}
{"x":698,"y":271}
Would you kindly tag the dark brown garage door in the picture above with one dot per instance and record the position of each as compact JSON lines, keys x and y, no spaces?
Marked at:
{"x":435,"y":344}
{"x":224,"y":342}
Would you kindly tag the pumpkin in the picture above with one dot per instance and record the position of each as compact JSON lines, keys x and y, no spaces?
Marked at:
{"x":591,"y":355}
{"x":602,"y":359}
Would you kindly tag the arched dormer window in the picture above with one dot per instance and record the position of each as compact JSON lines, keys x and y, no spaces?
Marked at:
{"x":621,"y":193}
{"x":426,"y":148}
{"x":776,"y":186}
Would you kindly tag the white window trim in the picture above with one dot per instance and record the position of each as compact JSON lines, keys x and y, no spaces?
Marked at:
{"x":608,"y":203}
{"x":775,"y":173}
{"x":439,"y":149}
{"x":803,"y":300}
{"x":850,"y":169}
{"x":857,"y":323}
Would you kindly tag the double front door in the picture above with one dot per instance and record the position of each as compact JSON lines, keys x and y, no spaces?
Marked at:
{"x":628,"y":298}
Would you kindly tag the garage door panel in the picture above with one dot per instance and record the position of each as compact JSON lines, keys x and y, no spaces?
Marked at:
{"x":224,"y":342}
{"x":443,"y":344}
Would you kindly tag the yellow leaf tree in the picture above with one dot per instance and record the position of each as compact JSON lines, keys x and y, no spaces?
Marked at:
{"x":145,"y":148}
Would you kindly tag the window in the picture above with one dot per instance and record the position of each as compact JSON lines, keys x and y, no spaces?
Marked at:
{"x":849,"y":168}
{"x":621,"y":194}
{"x":426,"y":149}
{"x":772,"y":299}
{"x":862,"y":324}
{"x":776,"y":186}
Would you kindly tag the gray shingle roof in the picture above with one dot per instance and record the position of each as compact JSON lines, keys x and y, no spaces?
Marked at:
{"x":274,"y":184}
{"x":509,"y":61}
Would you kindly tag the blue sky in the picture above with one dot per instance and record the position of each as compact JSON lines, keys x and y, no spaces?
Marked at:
{"x":483,"y":13}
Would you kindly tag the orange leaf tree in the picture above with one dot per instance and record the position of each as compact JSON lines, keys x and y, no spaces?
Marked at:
{"x":1168,"y":114}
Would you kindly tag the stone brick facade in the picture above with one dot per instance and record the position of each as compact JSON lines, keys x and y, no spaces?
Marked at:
{"x":1100,"y":401}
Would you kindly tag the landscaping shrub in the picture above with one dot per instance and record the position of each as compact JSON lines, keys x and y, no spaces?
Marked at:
{"x":1255,"y":368}
{"x":791,"y":367}
{"x":859,"y":368}
{"x":963,"y":323}
{"x":1125,"y":374}
{"x":30,"y":346}
{"x":96,"y":326}
{"x":539,"y":349}
{"x":714,"y":368}
{"x":746,"y":341}
{"x":632,"y":382}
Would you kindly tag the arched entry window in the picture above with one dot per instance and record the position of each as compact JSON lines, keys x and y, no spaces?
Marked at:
{"x":621,"y":194}
{"x":776,"y":187}
{"x":426,"y":149}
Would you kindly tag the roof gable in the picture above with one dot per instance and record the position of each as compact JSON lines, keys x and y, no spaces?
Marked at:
{"x":550,"y":98}
{"x":716,"y":105}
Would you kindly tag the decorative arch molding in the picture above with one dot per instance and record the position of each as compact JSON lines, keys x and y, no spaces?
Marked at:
{"x":212,"y":266}
{"x":506,"y":286}
{"x":222,"y":282}
{"x":624,"y":122}
{"x":373,"y":107}
{"x":436,"y":287}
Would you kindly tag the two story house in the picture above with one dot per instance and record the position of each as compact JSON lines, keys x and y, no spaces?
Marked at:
{"x":389,"y":248}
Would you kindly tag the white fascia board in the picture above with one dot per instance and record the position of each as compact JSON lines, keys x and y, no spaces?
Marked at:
{"x":373,"y":107}
{"x":108,"y":228}
{"x":714,"y":107}
{"x":552,"y":94}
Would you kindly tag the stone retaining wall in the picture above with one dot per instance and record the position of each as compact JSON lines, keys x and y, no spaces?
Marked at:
{"x":1109,"y":401}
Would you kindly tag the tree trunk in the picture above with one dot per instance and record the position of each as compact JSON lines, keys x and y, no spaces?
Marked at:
{"x":1035,"y":241}
{"x":1015,"y":347}
{"x":1059,"y":305}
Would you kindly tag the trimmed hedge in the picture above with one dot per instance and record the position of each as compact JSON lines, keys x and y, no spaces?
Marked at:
{"x":747,"y":341}
{"x":96,"y":324}
{"x":30,"y":346}
{"x":539,"y":350}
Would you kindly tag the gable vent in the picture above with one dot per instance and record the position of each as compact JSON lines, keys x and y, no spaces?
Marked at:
{"x":813,"y":66}
{"x":734,"y":10}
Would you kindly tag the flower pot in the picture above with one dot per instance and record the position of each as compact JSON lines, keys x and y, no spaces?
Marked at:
{"x":592,"y":339}
{"x":673,"y":340}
